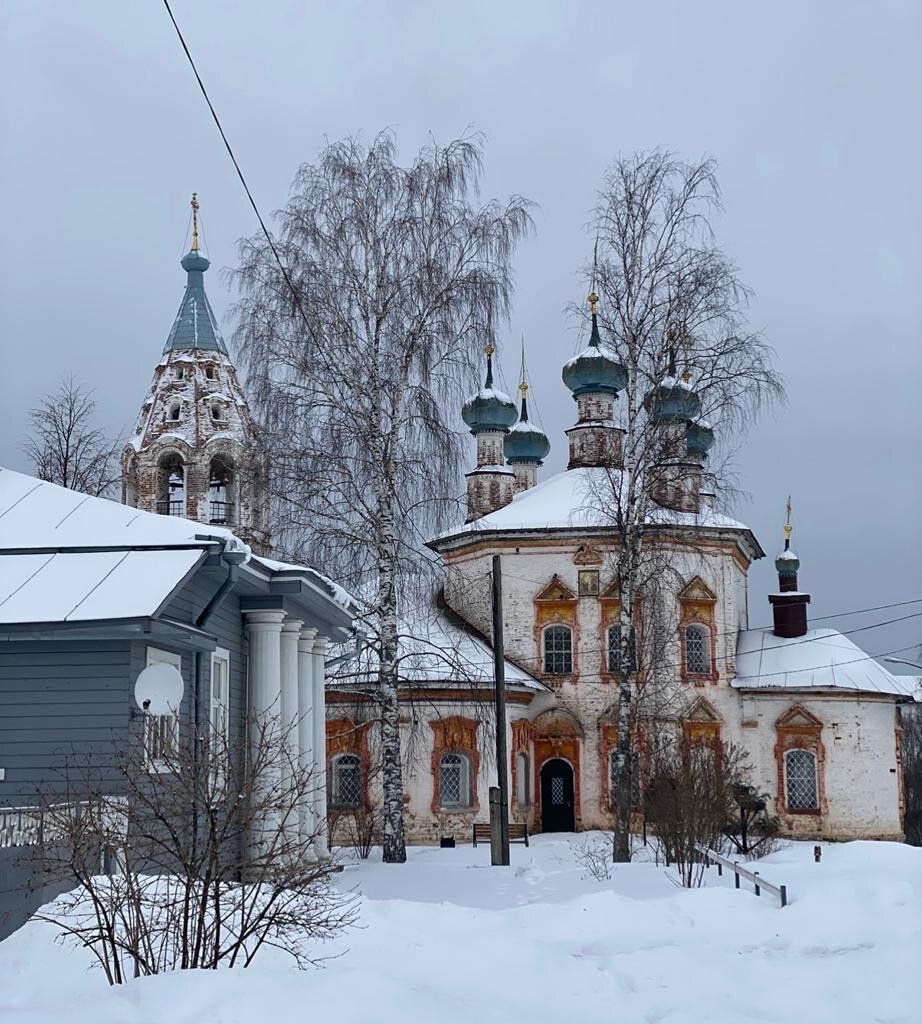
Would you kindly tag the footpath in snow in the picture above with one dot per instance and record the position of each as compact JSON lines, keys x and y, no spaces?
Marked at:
{"x":447,"y":938}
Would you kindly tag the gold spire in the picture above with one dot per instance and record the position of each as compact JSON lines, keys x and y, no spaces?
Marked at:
{"x":523,"y":386}
{"x":194,"y":222}
{"x":788,"y":529}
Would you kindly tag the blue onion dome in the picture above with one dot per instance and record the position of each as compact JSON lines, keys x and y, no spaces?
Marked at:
{"x":699,"y":436}
{"x":489,"y":409}
{"x":525,"y":442}
{"x":596,"y":368}
{"x":673,"y":400}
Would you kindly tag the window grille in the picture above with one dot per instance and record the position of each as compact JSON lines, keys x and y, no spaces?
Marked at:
{"x":347,"y":785}
{"x":558,"y":650}
{"x":454,"y":781}
{"x":558,"y":794}
{"x":800,"y":780}
{"x":614,"y":650}
{"x":697,"y":653}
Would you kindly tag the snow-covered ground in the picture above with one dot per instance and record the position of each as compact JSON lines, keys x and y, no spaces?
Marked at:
{"x":447,"y":938}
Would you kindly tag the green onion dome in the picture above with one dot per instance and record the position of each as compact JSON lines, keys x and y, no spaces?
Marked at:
{"x":525,"y":442}
{"x":489,"y":409}
{"x":699,"y":436}
{"x":596,"y":368}
{"x":672,"y":401}
{"x":787,"y":563}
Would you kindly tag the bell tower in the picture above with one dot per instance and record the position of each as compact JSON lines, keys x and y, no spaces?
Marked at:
{"x":195,"y":449}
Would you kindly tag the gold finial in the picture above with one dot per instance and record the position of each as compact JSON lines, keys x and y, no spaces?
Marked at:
{"x":593,"y":300}
{"x":488,"y":350}
{"x":194,"y":222}
{"x":788,"y":529}
{"x":523,"y":386}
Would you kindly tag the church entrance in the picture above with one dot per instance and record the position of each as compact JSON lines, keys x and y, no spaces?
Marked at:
{"x":557,"y":813}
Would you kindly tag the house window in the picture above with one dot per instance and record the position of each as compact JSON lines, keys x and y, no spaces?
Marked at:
{"x":697,"y":650}
{"x":161,"y":732}
{"x":800,"y":781}
{"x":589,"y":583}
{"x":614,"y":650}
{"x":522,"y":794}
{"x":174,"y":412}
{"x":454,"y":781}
{"x":558,"y":650}
{"x":209,"y":372}
{"x":346,"y":782}
{"x":217,"y":411}
{"x":179,"y":372}
{"x":219,"y":708}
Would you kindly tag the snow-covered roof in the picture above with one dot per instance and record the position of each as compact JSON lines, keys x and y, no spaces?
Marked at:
{"x":822,"y":659}
{"x":433,"y":649}
{"x":48,"y":572}
{"x":571,"y":500}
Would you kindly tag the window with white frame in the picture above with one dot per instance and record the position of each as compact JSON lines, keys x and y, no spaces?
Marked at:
{"x":522,"y":788}
{"x":697,"y":650}
{"x":345,"y":782}
{"x":454,"y":780}
{"x":614,"y":650}
{"x":558,"y":650}
{"x":219,"y":705}
{"x":800,"y":780}
{"x":161,"y":732}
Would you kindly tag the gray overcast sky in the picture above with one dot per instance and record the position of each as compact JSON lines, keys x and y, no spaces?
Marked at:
{"x":811,"y":109}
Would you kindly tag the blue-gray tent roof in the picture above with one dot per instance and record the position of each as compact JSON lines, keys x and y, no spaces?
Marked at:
{"x":195,"y":326}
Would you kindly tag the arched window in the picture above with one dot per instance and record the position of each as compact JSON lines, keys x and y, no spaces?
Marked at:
{"x":217,"y":412}
{"x":175,"y":412}
{"x":697,"y":650}
{"x":209,"y":371}
{"x":454,"y":780}
{"x":522,"y":787}
{"x":614,"y":650}
{"x":800,"y":781}
{"x":221,"y":491}
{"x":346,"y":782}
{"x":171,"y":486}
{"x":558,"y":650}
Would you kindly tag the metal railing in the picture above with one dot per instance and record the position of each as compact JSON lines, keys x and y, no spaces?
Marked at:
{"x":715,"y":859}
{"x":171,"y":508}
{"x":31,"y":826}
{"x":221,"y":513}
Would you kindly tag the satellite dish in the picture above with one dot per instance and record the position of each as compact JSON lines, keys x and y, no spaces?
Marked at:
{"x":159,"y":689}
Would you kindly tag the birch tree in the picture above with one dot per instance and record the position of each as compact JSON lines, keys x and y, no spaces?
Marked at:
{"x":673,"y":309}
{"x":397,"y":276}
{"x":65,"y":445}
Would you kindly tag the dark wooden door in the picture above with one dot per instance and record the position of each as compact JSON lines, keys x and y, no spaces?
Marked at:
{"x":557,"y":813}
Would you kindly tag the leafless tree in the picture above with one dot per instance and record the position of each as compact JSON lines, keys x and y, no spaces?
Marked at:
{"x":398,"y":277}
{"x":673,"y":310}
{"x":207,"y":860}
{"x":65,"y":446}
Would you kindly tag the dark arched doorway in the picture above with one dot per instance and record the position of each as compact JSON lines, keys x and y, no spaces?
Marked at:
{"x":557,"y":812}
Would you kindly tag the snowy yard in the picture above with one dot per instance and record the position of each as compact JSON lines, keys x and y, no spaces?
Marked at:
{"x":447,"y":938}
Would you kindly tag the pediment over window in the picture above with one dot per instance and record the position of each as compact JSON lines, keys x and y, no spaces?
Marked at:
{"x":701,"y":711}
{"x":798,"y":717}
{"x":556,"y":590}
{"x":587,"y":554}
{"x":697,"y":590}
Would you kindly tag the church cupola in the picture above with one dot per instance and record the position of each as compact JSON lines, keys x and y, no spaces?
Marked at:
{"x":526,"y":445}
{"x":489,"y":414}
{"x":789,"y":605}
{"x":594,"y":376}
{"x":195,"y":449}
{"x":683,"y":439}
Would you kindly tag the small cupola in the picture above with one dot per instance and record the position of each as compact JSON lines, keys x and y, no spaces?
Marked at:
{"x":789,"y":605}
{"x":490,"y":409}
{"x":596,"y":369}
{"x":673,"y":400}
{"x":526,"y":445}
{"x":489,"y":414}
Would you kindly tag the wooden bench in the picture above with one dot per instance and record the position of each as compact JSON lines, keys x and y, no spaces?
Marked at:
{"x":518,"y":833}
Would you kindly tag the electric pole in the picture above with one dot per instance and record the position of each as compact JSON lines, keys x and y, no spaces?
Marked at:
{"x":499,"y":809}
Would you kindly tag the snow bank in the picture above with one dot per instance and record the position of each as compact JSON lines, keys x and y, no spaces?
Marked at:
{"x":447,"y":938}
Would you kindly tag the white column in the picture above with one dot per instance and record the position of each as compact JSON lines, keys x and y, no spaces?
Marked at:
{"x":264,"y":633}
{"x":320,"y":743}
{"x":291,"y":630}
{"x":264,"y":630}
{"x":308,"y":821}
